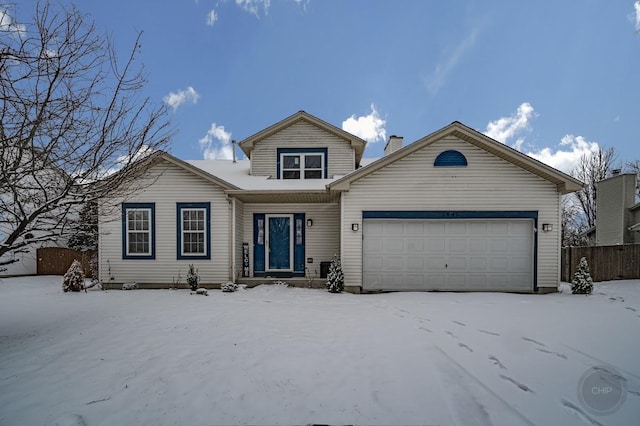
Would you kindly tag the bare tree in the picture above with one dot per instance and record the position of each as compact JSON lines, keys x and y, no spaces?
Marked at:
{"x":572,"y":223}
{"x":591,"y":169}
{"x":71,"y":114}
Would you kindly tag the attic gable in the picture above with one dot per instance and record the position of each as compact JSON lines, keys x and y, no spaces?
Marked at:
{"x":357,"y":144}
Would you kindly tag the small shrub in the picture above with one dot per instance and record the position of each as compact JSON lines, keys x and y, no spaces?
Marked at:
{"x":201,"y":291}
{"x":176,"y":283}
{"x":582,"y":282}
{"x":310,"y":276}
{"x":229,"y":287}
{"x":335,"y":277}
{"x":193,"y":278}
{"x":73,"y":279}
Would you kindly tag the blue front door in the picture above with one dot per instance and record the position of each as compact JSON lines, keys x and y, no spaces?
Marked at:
{"x":279,"y":250}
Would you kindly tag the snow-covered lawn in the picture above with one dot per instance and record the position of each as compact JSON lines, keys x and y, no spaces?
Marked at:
{"x":277,"y":355}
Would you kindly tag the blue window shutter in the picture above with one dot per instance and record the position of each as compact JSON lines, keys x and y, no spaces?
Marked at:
{"x":450,"y":158}
{"x":258,"y":243}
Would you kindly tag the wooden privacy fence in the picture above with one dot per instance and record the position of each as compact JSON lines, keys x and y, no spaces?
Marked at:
{"x":56,"y":260}
{"x":605,"y":262}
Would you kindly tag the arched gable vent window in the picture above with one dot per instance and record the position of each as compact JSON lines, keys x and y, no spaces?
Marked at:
{"x":450,"y":158}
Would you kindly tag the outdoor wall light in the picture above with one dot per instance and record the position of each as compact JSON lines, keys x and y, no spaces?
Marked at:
{"x":546,"y":227}
{"x":309,"y":223}
{"x":355,"y":226}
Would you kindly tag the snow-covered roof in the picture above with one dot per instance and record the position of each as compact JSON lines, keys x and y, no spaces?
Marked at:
{"x":238,"y":174}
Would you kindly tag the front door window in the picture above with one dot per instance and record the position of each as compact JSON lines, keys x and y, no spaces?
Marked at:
{"x":279,"y":250}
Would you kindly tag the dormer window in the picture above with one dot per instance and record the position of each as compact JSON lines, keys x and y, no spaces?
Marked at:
{"x":309,"y":163}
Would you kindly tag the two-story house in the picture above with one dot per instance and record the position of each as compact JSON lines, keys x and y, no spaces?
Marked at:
{"x":454,"y":210}
{"x":618,"y":212}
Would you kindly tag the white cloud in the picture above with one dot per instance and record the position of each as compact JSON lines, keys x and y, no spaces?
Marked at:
{"x":443,"y":68}
{"x":566,"y":158}
{"x":253,"y":6}
{"x":9,"y":25}
{"x":368,"y":127}
{"x":636,"y":6}
{"x":505,"y":128}
{"x":302,"y":3}
{"x":216,"y":144}
{"x":176,"y":99}
{"x":212,"y":17}
{"x":122,"y":161}
{"x":144,"y":151}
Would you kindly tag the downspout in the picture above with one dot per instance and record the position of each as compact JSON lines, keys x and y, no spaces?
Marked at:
{"x":233,"y":222}
{"x":100,"y":244}
{"x":342,"y":225}
{"x":559,"y":240}
{"x":233,"y":238}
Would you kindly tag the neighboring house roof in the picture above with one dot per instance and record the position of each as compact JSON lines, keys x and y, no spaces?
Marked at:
{"x":634,"y":207}
{"x":356,"y":143}
{"x":564,"y":183}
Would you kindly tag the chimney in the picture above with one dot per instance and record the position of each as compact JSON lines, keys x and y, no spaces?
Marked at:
{"x":394,"y":144}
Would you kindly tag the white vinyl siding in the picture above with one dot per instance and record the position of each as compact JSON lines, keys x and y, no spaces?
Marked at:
{"x":321,"y":240}
{"x":169,"y":186}
{"x":487,"y":183}
{"x":302,"y":135}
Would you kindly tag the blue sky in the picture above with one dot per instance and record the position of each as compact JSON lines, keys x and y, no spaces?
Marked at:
{"x":554,"y":79}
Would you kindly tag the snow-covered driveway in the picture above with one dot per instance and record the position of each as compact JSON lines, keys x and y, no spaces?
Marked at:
{"x":277,"y":355}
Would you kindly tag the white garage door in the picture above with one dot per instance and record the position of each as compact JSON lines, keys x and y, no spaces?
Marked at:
{"x":440,"y":254}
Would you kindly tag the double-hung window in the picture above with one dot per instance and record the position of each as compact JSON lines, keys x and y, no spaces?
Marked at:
{"x":194,"y":238}
{"x":138,"y":231}
{"x":302,"y":164}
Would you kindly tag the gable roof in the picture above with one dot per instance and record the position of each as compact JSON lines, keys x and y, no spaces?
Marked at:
{"x":356,"y":143}
{"x":564,"y":183}
{"x":159,"y":156}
